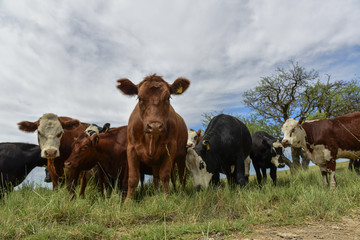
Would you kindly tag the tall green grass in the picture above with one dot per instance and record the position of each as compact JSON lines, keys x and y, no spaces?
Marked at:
{"x":39,"y":213}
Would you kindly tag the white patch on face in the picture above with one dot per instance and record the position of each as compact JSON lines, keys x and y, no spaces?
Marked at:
{"x":275,"y":160}
{"x":294,"y":134}
{"x":91,"y":130}
{"x":192,"y":138}
{"x":49,"y":134}
{"x":197,"y":167}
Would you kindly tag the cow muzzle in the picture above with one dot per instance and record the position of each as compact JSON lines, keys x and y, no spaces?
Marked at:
{"x":285,"y":143}
{"x":51,"y":153}
{"x":155,"y":128}
{"x":69,"y":164}
{"x":281,"y":165}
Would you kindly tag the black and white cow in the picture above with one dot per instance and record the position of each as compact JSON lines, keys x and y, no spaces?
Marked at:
{"x":266,"y":152}
{"x":16,"y":162}
{"x":225,"y":145}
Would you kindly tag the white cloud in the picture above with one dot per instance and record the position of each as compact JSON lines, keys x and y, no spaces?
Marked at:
{"x":65,"y":56}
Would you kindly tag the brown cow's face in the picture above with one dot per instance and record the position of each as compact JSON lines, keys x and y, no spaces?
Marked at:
{"x":50,"y":130}
{"x":83,"y":152}
{"x":154,"y":100}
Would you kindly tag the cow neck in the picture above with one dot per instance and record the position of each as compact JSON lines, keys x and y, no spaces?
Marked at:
{"x":309,"y":139}
{"x":152,"y":143}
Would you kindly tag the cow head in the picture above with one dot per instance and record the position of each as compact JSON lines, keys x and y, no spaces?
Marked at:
{"x":154,"y":100}
{"x":294,"y":133}
{"x":83,"y":152}
{"x":193,"y":138}
{"x":197,"y":167}
{"x":50,"y":129}
{"x":277,"y":151}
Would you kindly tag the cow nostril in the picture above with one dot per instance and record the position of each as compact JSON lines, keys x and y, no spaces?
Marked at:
{"x":67,"y":164}
{"x":50,"y":153}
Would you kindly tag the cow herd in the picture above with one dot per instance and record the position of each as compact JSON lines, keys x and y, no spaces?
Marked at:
{"x":157,"y":142}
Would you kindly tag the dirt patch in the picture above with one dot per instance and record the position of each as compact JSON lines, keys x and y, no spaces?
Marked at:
{"x":347,"y":228}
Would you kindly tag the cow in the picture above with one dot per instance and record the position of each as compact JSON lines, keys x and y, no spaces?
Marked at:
{"x":325,"y":140}
{"x":194,"y":137}
{"x":55,"y":138}
{"x":107,"y":150}
{"x":16,"y":162}
{"x":225,"y":145}
{"x":266,"y":152}
{"x":157,"y":135}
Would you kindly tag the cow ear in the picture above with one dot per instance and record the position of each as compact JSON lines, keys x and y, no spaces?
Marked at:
{"x":206,"y":145}
{"x":27,"y":126}
{"x":96,"y":140}
{"x":302,"y":120}
{"x":105,"y":128}
{"x":71,"y":124}
{"x":198,"y":132}
{"x":127,"y":87}
{"x":179,"y":86}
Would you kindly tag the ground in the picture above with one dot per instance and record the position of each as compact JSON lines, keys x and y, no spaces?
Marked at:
{"x":347,"y":228}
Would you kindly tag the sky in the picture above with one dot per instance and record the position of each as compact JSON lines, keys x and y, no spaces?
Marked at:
{"x":64,"y":57}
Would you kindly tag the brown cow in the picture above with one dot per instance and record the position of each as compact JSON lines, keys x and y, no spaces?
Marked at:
{"x":107,"y":150}
{"x":325,"y":140}
{"x":55,"y":137}
{"x":157,"y":135}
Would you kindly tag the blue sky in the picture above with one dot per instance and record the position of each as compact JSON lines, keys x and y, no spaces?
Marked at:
{"x":64,"y":57}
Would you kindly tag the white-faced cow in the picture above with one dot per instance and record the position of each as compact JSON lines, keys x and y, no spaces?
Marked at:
{"x":225,"y":145}
{"x":156,"y":134}
{"x":325,"y":140}
{"x":55,"y":137}
{"x":16,"y":162}
{"x":194,"y":137}
{"x":266,"y":152}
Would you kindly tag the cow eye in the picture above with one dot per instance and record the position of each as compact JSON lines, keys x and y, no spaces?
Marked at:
{"x":202,"y":165}
{"x":84,"y":147}
{"x":195,"y":137}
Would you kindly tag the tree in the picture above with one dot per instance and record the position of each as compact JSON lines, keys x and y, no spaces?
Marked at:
{"x":333,"y":99}
{"x":283,"y":95}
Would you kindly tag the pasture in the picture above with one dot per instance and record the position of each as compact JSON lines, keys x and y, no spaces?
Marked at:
{"x":39,"y":213}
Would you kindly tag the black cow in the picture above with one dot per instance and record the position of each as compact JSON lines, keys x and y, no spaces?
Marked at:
{"x":16,"y":161}
{"x":225,"y":145}
{"x":266,"y":152}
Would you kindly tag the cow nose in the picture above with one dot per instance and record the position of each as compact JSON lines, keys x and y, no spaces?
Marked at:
{"x":285,"y":142}
{"x":155,"y":127}
{"x":281,"y":165}
{"x":50,"y":153}
{"x":189,"y":145}
{"x":68,"y":164}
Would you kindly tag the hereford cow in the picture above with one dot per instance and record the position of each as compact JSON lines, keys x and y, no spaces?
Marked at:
{"x":55,"y":137}
{"x":225,"y":145}
{"x":194,"y":137}
{"x":325,"y":140}
{"x":157,"y":135}
{"x":16,"y":162}
{"x":266,"y":152}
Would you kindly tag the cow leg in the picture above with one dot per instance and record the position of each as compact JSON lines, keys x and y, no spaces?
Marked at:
{"x":173,"y":176}
{"x":180,"y":162}
{"x":165,"y":174}
{"x":264,"y":175}
{"x":84,"y":180}
{"x":273,"y":174}
{"x":134,"y":172}
{"x":324,"y":174}
{"x":247,"y":168}
{"x":215,"y":179}
{"x":240,"y":170}
{"x":357,"y":165}
{"x":156,"y":177}
{"x":258,"y":174}
{"x":331,"y":166}
{"x":71,"y":182}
